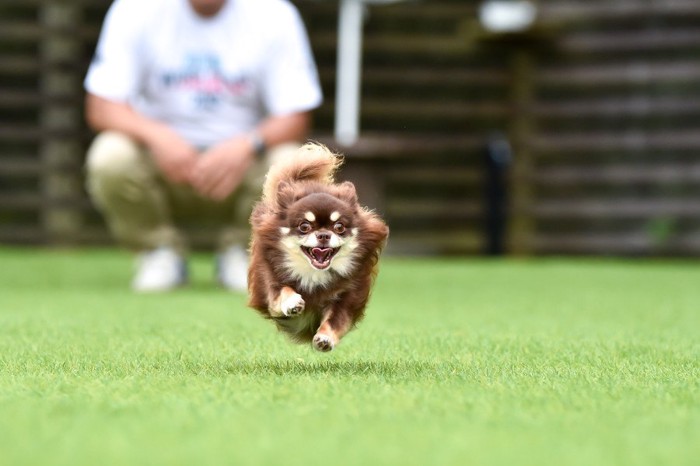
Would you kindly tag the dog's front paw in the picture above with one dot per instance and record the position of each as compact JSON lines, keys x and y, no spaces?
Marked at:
{"x":293,"y":305}
{"x":323,"y":342}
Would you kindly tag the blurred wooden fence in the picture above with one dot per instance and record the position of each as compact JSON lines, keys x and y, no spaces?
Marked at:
{"x":601,"y":105}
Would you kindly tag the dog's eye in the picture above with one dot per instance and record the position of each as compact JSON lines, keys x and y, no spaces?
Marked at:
{"x":304,"y":227}
{"x":339,"y":228}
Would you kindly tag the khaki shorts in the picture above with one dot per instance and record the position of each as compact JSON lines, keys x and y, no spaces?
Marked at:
{"x":142,"y":208}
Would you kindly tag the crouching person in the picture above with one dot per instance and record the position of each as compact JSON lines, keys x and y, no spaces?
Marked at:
{"x":192,"y":100}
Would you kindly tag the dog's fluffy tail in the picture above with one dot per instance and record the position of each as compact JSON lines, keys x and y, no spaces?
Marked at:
{"x":312,"y":162}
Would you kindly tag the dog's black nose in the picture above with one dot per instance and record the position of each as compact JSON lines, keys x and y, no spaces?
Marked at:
{"x":323,"y":236}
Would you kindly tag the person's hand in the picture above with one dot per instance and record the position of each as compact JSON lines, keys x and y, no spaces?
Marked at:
{"x":173,"y":155}
{"x":221,"y":169}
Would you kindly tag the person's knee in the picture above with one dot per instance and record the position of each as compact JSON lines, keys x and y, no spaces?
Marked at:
{"x":113,"y":156}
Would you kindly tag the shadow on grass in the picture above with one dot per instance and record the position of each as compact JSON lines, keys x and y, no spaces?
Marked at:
{"x":359,"y":368}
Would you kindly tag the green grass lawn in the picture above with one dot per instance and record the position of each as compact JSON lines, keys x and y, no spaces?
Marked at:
{"x":458,"y":362}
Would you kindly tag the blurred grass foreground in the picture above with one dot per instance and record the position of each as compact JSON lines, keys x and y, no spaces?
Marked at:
{"x":462,"y":361}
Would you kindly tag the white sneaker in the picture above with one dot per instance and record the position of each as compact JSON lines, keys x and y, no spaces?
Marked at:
{"x":161,"y":269}
{"x":232,"y":269}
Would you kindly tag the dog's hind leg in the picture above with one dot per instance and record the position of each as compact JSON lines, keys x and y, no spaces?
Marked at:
{"x":334,"y":326}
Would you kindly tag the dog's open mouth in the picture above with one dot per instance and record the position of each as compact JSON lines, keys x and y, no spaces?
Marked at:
{"x":320,"y":257}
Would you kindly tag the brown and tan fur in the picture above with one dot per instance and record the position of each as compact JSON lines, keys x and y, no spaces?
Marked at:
{"x":314,"y":249}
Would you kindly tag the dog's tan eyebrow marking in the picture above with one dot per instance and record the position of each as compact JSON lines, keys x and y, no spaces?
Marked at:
{"x":285,"y":230}
{"x":310,"y":216}
{"x":335,"y":216}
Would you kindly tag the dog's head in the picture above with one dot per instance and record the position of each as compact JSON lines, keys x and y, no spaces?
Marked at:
{"x":319,"y":231}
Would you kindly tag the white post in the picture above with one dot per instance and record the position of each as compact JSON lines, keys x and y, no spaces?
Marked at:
{"x":347,"y":99}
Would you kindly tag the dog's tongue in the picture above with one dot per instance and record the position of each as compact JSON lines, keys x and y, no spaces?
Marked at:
{"x":321,"y":254}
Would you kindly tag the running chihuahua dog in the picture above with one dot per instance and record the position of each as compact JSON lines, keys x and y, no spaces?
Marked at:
{"x":314,"y":249}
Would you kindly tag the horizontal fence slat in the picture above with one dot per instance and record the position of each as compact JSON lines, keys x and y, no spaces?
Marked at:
{"x":619,"y":141}
{"x":19,"y":65}
{"x":629,"y":41}
{"x":621,"y":243}
{"x":374,"y":146}
{"x":415,"y":208}
{"x":434,"y":110}
{"x":632,"y":106}
{"x":13,"y":165}
{"x":621,"y":74}
{"x":618,"y":174}
{"x":437,"y":175}
{"x":442,"y":242}
{"x":427,"y":77}
{"x":616,"y":208}
{"x":21,"y":99}
{"x":575,"y":11}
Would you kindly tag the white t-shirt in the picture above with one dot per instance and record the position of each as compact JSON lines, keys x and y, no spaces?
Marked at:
{"x":208,"y":78}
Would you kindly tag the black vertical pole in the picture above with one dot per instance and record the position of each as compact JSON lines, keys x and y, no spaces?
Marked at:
{"x":498,"y":156}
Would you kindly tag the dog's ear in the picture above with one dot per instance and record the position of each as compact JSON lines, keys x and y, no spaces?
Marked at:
{"x":347,"y":192}
{"x":285,"y":195}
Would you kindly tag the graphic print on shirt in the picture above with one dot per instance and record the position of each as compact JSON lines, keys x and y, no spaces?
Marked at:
{"x":203,"y":76}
